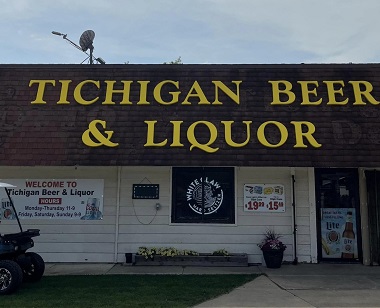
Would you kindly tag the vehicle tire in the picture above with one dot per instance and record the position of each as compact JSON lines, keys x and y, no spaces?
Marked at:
{"x":36,"y":269}
{"x":10,"y":277}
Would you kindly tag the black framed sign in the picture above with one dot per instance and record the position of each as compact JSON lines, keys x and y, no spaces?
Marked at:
{"x":146,"y":191}
{"x":203,"y":195}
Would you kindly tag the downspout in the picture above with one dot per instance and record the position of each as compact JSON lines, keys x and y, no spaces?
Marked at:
{"x":117,"y":212}
{"x":293,"y":181}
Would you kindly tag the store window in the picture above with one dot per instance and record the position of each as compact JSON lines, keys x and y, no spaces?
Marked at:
{"x":203,"y":195}
{"x":338,"y":212}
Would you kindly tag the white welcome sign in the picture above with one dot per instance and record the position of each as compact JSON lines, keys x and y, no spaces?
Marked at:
{"x":53,"y":199}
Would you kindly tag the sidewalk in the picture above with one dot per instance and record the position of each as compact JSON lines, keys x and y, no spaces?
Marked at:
{"x":302,"y":285}
{"x":307,"y":285}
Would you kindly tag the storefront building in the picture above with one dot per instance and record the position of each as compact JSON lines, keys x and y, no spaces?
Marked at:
{"x":108,"y":158}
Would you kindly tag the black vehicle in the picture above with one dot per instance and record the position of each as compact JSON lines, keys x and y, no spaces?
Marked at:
{"x":17,"y":265}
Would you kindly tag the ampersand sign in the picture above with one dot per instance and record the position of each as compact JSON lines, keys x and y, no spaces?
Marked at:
{"x":93,"y":133}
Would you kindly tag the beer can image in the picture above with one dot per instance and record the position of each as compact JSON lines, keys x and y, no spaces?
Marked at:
{"x":92,"y":205}
{"x":8,"y":214}
{"x":6,"y":209}
{"x":5,"y":204}
{"x":278,"y":190}
{"x":92,"y":209}
{"x":268,"y":190}
{"x":258,"y":190}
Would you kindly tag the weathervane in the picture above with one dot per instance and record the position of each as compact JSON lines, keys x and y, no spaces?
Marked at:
{"x":85,"y":42}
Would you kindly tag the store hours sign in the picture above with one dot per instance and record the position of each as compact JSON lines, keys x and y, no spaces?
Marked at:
{"x":53,"y":199}
{"x":264,"y":198}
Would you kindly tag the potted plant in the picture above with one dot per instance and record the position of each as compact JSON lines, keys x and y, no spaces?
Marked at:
{"x":272,"y":248}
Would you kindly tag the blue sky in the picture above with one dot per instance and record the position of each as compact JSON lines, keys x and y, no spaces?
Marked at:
{"x":199,"y":31}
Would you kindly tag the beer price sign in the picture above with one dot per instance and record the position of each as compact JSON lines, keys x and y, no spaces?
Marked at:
{"x":53,"y":199}
{"x":264,"y":198}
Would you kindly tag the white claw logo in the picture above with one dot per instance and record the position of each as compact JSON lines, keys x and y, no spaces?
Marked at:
{"x":204,"y":196}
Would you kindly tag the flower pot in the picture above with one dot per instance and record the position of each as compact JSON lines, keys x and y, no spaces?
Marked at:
{"x":273,"y":258}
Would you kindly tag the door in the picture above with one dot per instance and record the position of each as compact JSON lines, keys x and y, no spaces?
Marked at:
{"x":338,"y":216}
{"x":373,"y":201}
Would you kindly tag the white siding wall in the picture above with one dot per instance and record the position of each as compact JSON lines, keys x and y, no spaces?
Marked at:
{"x":306,"y":234}
{"x":282,"y":223}
{"x":140,"y":224}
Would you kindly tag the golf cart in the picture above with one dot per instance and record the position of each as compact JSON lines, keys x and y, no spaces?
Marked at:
{"x":17,"y":265}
